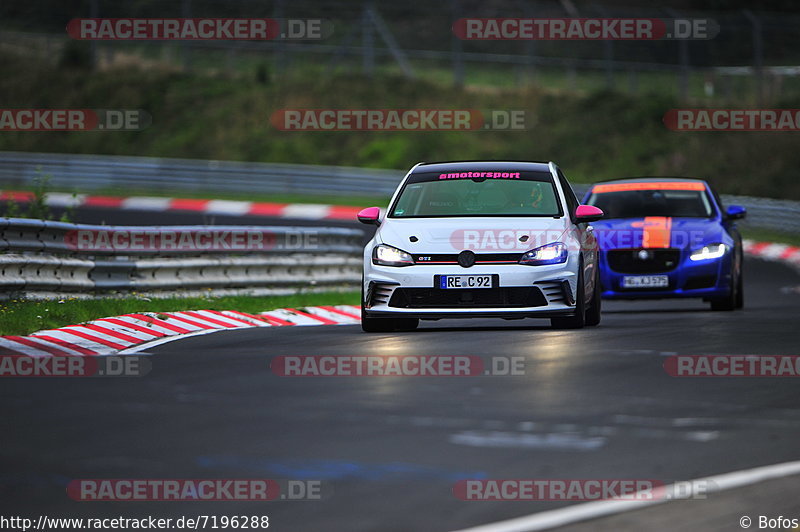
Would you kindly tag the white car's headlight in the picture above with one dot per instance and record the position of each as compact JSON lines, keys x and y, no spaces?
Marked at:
{"x":711,"y":251}
{"x":384,"y":255}
{"x":554,"y":253}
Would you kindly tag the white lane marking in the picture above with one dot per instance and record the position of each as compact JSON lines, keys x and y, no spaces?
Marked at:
{"x":309,"y":211}
{"x":595,"y":509}
{"x":234,"y":208}
{"x":572,"y":442}
{"x":146,"y":203}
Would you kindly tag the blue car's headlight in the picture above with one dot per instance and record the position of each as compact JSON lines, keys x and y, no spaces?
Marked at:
{"x":554,"y":253}
{"x":711,"y":251}
{"x":384,"y":255}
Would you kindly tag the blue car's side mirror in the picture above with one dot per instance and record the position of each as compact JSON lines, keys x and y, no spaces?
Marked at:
{"x":736,"y":212}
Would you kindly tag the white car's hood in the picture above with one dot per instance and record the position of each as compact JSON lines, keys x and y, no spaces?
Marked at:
{"x":481,"y":235}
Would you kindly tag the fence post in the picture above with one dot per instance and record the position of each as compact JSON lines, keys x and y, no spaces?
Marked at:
{"x":608,"y":50}
{"x":388,"y":39}
{"x":530,"y":45}
{"x":683,"y":59}
{"x":457,"y":52}
{"x":758,"y":53}
{"x":367,"y":42}
{"x":186,"y":12}
{"x":94,"y":11}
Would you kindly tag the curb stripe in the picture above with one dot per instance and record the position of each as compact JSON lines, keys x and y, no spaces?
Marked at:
{"x":343,"y":313}
{"x":326,"y":321}
{"x":304,"y":211}
{"x":134,"y":326}
{"x":111,"y":332}
{"x":38,"y":345}
{"x":65,"y":344}
{"x":96,"y":339}
{"x":159,"y":322}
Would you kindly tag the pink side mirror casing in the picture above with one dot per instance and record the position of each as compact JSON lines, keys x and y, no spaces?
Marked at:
{"x":370,"y":215}
{"x":588,"y":213}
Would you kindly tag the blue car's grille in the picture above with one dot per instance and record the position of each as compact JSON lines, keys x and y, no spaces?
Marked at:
{"x":639,"y":260}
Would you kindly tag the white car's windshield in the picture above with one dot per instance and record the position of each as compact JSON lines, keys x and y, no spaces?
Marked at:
{"x":488,"y":193}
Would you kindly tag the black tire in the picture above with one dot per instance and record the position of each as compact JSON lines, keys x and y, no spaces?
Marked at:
{"x":374,"y":325}
{"x":740,"y":290}
{"x":727,"y":302}
{"x":578,"y":320}
{"x":593,"y":313}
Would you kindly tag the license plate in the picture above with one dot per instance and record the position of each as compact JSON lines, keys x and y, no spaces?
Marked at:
{"x":645,"y":281}
{"x":465,"y":281}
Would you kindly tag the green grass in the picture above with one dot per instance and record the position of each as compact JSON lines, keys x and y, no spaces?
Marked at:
{"x":592,"y":133}
{"x":24,"y":317}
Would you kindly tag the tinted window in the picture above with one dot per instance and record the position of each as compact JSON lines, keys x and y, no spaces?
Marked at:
{"x":478,"y":194}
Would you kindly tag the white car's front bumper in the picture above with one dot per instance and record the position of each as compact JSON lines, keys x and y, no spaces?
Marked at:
{"x":521,"y":291}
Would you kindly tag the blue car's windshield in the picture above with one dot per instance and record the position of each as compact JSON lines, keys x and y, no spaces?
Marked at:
{"x":626,"y":202}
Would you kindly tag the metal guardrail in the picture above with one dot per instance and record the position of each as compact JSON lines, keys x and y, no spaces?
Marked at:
{"x":45,"y":259}
{"x":104,"y":172}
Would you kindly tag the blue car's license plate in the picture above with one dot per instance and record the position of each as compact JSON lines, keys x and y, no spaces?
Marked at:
{"x":645,"y":281}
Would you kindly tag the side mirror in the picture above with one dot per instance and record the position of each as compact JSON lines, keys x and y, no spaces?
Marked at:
{"x":369,"y":216}
{"x":587,"y":213}
{"x":736,"y":212}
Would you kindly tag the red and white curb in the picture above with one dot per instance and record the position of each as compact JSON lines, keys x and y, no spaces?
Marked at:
{"x":297,"y":211}
{"x":133,"y":332}
{"x":773,"y":252}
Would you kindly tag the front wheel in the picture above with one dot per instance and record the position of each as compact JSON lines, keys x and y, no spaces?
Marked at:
{"x":579,"y":319}
{"x":592,"y":318}
{"x":374,"y":325}
{"x":731,"y":300}
{"x":740,"y":291}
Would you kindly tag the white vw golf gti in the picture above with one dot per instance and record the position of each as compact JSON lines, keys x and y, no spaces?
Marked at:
{"x":481,"y":239}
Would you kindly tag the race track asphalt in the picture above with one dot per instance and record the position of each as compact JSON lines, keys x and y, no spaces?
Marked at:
{"x":592,"y":403}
